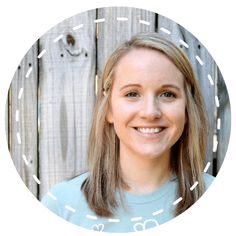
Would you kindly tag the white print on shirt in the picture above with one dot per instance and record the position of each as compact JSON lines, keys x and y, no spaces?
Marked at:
{"x":145,"y":225}
{"x":98,"y":227}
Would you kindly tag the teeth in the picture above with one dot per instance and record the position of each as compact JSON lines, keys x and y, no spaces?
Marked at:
{"x":150,"y":130}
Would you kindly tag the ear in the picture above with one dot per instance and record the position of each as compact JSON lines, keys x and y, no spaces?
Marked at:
{"x":109,"y":116}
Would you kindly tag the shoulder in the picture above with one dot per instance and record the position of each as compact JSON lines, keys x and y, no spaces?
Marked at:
{"x":69,"y":186}
{"x":208,"y":179}
{"x":63,"y":193}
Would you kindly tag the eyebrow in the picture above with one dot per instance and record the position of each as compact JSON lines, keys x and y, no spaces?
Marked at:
{"x":171,"y":86}
{"x":163,"y":86}
{"x":130,"y":85}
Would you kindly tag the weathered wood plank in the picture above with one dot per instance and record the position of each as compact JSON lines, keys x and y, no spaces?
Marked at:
{"x":203,"y":65}
{"x":7,"y":120}
{"x":224,"y":114}
{"x":115,"y":30}
{"x":67,"y":75}
{"x":23,"y":119}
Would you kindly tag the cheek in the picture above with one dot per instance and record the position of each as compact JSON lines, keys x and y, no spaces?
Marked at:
{"x":124,"y":116}
{"x":124,"y":110}
{"x":109,"y":115}
{"x":177,"y":114}
{"x":181,"y":118}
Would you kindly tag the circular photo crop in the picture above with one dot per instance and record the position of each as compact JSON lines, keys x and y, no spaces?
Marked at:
{"x":118,"y":119}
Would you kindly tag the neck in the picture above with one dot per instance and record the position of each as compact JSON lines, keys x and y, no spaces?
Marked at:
{"x":144,"y":174}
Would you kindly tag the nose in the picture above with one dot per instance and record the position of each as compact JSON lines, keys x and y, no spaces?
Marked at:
{"x":150,"y":109}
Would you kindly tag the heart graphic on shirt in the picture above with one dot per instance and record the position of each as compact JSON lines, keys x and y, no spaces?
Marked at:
{"x":150,"y":223}
{"x":98,"y":227}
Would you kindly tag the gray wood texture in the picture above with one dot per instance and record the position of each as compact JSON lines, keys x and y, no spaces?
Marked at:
{"x":23,"y":119}
{"x":114,"y":31}
{"x":67,"y":73}
{"x":55,"y":108}
{"x":224,"y":114}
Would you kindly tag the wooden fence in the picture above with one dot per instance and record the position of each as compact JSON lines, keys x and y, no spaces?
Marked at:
{"x":52,"y":93}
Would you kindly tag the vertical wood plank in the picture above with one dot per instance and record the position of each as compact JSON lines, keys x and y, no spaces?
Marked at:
{"x":67,"y":75}
{"x":203,"y":65}
{"x":23,"y":119}
{"x":114,"y":30}
{"x":224,"y":114}
{"x":7,"y":117}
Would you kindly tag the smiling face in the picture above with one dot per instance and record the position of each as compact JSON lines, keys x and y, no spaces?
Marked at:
{"x":147,"y":104}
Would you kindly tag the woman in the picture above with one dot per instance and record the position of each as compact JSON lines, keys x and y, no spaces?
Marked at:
{"x":147,"y":142}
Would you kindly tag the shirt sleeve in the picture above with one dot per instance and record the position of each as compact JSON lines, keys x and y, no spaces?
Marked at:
{"x":52,"y":199}
{"x":208,"y":180}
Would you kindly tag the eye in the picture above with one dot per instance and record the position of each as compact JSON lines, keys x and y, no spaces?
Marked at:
{"x":168,"y":95}
{"x":132,"y":95}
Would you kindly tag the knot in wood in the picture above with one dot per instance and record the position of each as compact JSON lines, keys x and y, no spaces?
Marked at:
{"x":70,"y":40}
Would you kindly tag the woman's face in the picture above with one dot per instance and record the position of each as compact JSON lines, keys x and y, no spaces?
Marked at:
{"x":147,"y":106}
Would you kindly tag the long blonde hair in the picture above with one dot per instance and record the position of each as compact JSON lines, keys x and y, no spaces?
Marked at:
{"x":188,"y":154}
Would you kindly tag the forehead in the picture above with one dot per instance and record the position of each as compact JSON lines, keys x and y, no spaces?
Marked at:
{"x":147,"y":66}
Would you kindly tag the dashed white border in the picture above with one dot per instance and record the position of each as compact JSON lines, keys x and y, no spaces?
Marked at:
{"x":100,"y":20}
{"x":36,"y":179}
{"x":136,"y":218}
{"x":158,"y":212}
{"x":144,"y":22}
{"x":17,"y":115}
{"x":91,"y":217}
{"x":25,"y":159}
{"x":177,"y":201}
{"x":114,"y":220}
{"x":28,"y":72}
{"x":215,"y":143}
{"x":217,"y":101}
{"x":210,"y":79}
{"x":194,"y":186}
{"x":58,"y":38}
{"x":69,"y":208}
{"x":78,"y":27}
{"x":165,"y":30}
{"x":122,"y":19}
{"x":199,"y":60}
{"x":41,"y":53}
{"x":18,"y":138}
{"x":218,"y":123}
{"x":20,"y":93}
{"x":207,"y":167}
{"x":139,"y":218}
{"x":52,"y":196}
{"x":183,"y":43}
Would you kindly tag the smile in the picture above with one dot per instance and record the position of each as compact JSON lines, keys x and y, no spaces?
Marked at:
{"x":149,"y":130}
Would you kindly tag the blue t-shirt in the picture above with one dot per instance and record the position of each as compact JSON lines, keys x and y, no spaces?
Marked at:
{"x":141,"y":211}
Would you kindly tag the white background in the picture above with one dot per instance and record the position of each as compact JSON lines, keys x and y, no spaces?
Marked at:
{"x":23,"y":22}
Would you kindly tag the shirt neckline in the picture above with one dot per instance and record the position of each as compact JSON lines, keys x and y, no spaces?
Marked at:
{"x":153,"y":196}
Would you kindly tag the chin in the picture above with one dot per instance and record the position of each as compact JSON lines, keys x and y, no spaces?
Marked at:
{"x":151,"y":155}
